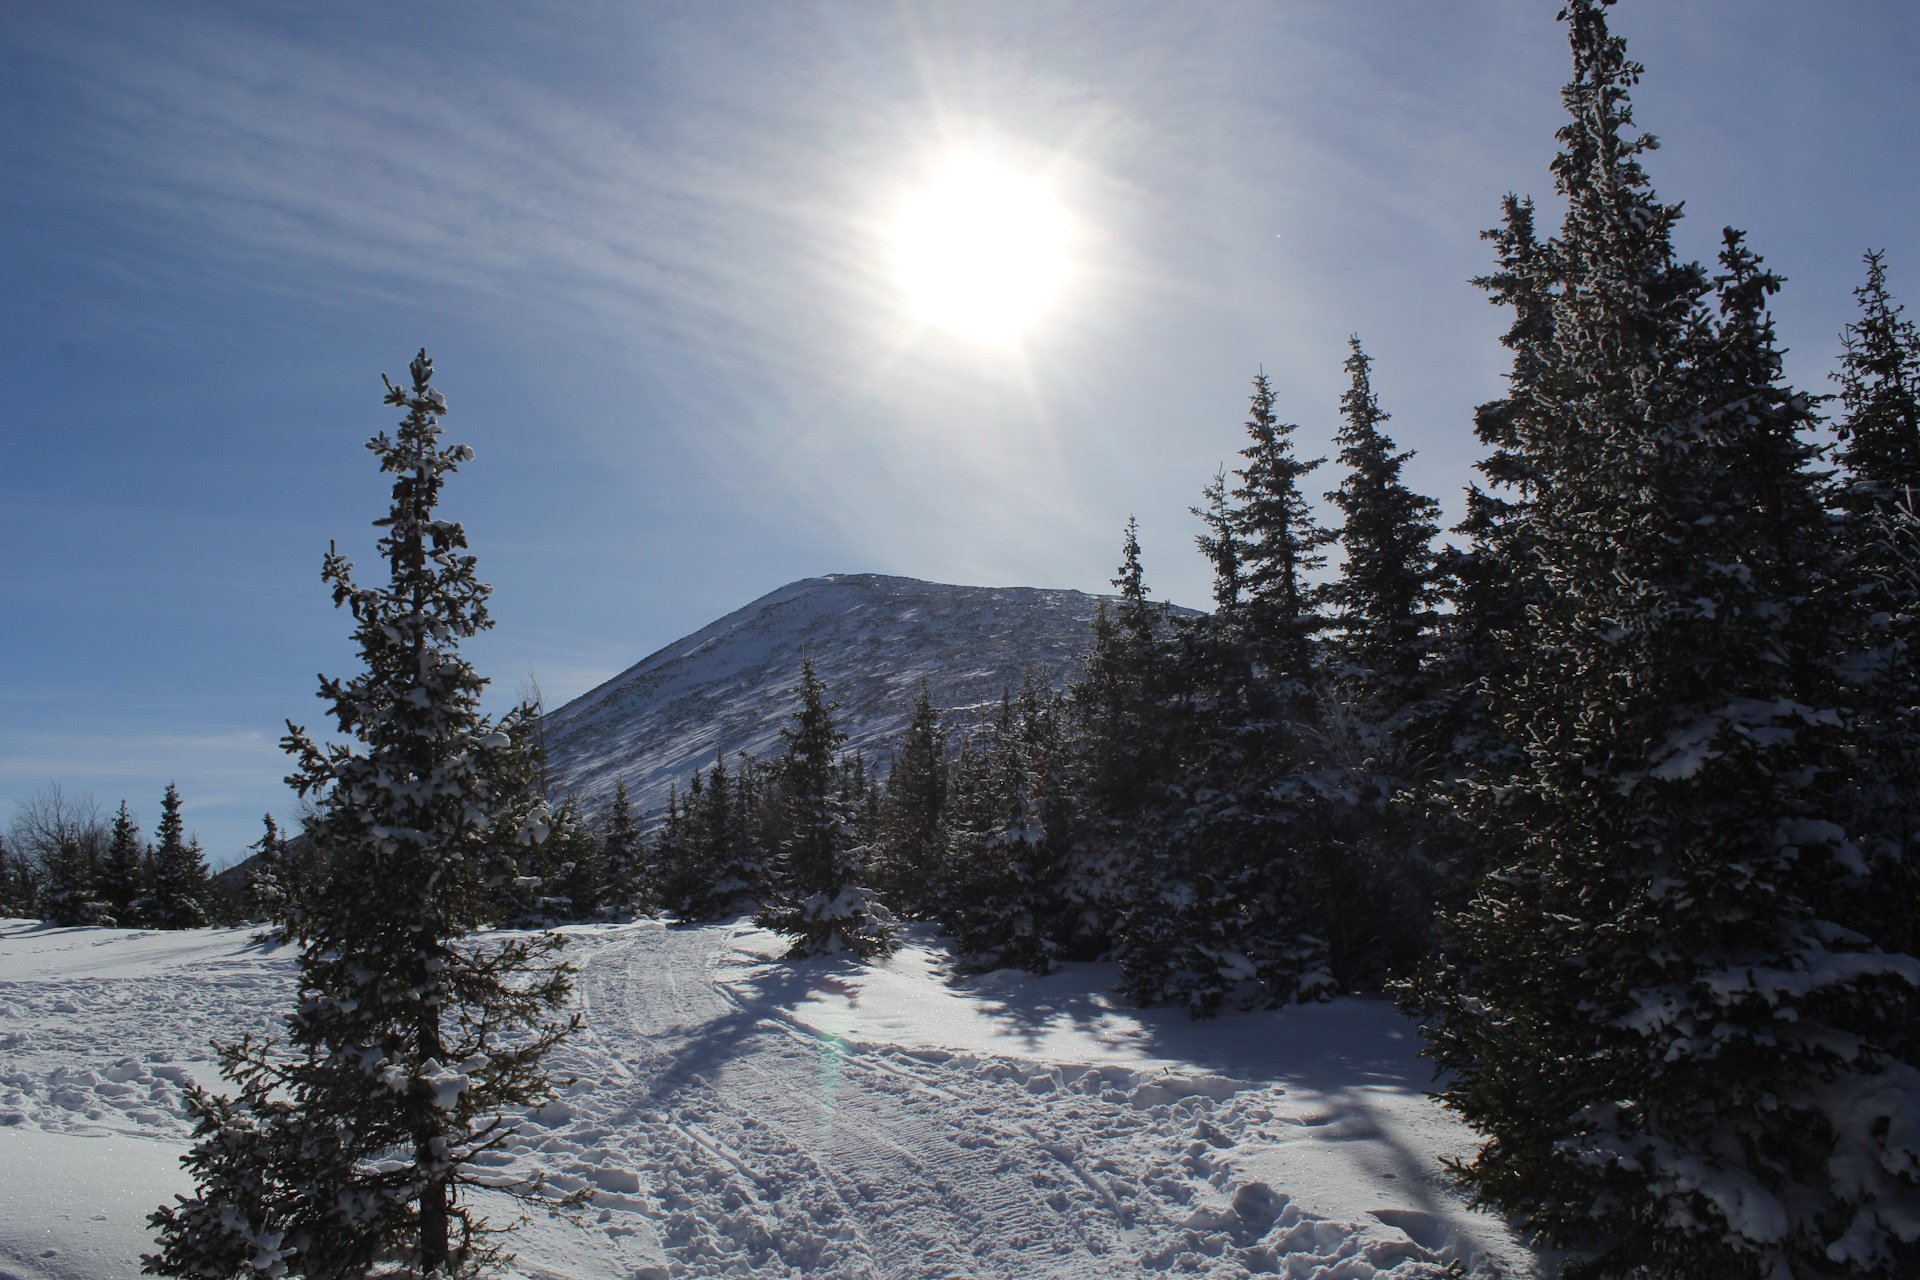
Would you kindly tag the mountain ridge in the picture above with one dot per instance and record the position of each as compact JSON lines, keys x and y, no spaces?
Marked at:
{"x":873,"y":638}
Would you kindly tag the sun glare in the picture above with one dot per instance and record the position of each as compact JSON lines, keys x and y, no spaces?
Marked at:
{"x":981,"y":250}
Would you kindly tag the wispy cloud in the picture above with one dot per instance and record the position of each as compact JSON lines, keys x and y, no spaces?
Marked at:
{"x":360,"y":171}
{"x":214,"y":767}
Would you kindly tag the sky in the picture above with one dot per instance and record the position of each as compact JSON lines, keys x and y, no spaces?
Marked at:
{"x":652,"y":251}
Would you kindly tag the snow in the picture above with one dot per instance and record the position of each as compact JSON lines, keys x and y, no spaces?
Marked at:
{"x":75,"y":1208}
{"x":739,"y":1116}
{"x":872,"y":638}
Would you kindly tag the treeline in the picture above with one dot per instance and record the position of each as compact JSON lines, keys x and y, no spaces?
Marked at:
{"x":1622,"y":792}
{"x":1236,"y":805}
{"x":63,"y":862}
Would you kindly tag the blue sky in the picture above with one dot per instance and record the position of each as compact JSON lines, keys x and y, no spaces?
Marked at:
{"x":647,"y":246}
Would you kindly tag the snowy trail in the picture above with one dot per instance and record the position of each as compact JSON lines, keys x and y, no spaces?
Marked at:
{"x":739,"y":1118}
{"x":750,"y":1143}
{"x":784,"y":1152}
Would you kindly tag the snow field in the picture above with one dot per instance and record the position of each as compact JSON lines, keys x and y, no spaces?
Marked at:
{"x":739,"y":1117}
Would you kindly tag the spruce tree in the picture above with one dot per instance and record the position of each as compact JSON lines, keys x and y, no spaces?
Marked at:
{"x":1879,"y":510}
{"x":1279,"y":546}
{"x":68,"y":890}
{"x":1121,"y":694}
{"x":178,"y":873}
{"x":909,"y":858}
{"x":14,"y":899}
{"x":413,"y":1041}
{"x":632,"y":887}
{"x":683,"y":886}
{"x":269,"y":884}
{"x":61,"y":843}
{"x":1231,"y":886}
{"x":1658,"y":1007}
{"x":122,"y":872}
{"x":1009,"y":902}
{"x":815,"y":898}
{"x":579,"y":864}
{"x":715,"y":833}
{"x":16,"y":883}
{"x":1879,"y":377}
{"x":710,"y":848}
{"x":1385,"y":720}
{"x":1384,"y":595}
{"x":1122,"y":757}
{"x":1493,"y":580}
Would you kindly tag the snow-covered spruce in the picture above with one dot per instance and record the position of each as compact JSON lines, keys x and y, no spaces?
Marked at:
{"x":815,"y":899}
{"x":348,"y":1151}
{"x":1229,"y":845}
{"x":1879,"y":501}
{"x":1669,"y":1007}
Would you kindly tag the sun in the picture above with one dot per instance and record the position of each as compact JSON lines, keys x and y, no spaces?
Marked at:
{"x":981,"y":250}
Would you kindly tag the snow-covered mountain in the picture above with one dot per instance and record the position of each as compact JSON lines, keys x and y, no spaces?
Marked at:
{"x":872,"y":639}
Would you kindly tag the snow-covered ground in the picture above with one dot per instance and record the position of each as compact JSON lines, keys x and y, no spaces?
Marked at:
{"x":739,"y":1117}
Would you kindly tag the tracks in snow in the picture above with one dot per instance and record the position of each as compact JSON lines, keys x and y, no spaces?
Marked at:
{"x":744,"y":1143}
{"x":725,"y":1138}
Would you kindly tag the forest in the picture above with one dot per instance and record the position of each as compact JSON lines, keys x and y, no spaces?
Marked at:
{"x":1613,"y":788}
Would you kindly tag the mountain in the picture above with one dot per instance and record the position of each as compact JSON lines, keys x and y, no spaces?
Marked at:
{"x":872,"y":639}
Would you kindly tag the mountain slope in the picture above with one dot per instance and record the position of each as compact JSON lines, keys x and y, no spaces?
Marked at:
{"x":872,"y":639}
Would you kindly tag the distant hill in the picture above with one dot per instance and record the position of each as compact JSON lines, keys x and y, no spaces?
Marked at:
{"x":872,"y":639}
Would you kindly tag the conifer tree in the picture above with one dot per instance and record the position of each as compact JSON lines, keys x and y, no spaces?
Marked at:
{"x":412,"y":1043}
{"x":1879,"y":377}
{"x":66,"y":883}
{"x":715,"y":829}
{"x":16,"y":883}
{"x":1879,"y":507}
{"x":710,"y":848}
{"x":1385,"y":591}
{"x":860,"y":801}
{"x":814,"y":897}
{"x":1383,"y":721}
{"x":579,"y":864}
{"x":732,"y":845}
{"x":1657,"y":1006}
{"x":1121,"y":696}
{"x":1123,"y":756}
{"x":632,"y":886}
{"x":1279,"y":547}
{"x":121,"y":871}
{"x":1220,"y":544}
{"x":1230,"y":891}
{"x":14,"y":900}
{"x":911,"y":857}
{"x":178,"y":874}
{"x":683,"y":887}
{"x":1493,"y":581}
{"x":1010,"y":903}
{"x":270,"y":889}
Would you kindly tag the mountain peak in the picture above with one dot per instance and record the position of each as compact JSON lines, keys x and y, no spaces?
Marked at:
{"x":872,"y":637}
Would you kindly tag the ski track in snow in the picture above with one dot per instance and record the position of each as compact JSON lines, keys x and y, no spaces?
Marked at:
{"x":724,"y":1136}
{"x":754,"y":1145}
